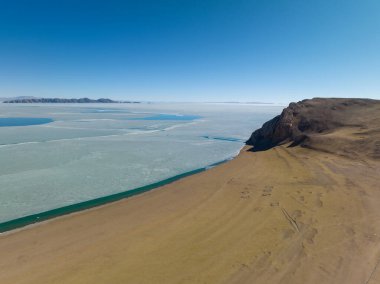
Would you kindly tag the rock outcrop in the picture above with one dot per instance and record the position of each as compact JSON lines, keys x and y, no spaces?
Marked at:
{"x":341,"y":126}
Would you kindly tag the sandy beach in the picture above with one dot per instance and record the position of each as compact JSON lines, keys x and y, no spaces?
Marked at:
{"x":284,"y":215}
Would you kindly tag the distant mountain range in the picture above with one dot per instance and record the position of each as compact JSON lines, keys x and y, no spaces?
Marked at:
{"x":2,"y":99}
{"x":31,"y":100}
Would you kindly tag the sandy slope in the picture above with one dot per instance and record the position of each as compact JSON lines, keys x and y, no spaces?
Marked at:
{"x":286,"y":215}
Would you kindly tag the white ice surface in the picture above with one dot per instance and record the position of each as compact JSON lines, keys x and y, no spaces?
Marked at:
{"x":95,"y":150}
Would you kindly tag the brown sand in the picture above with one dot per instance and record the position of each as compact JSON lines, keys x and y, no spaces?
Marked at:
{"x":286,"y":215}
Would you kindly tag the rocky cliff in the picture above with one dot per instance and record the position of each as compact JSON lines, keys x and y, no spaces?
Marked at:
{"x":341,"y":126}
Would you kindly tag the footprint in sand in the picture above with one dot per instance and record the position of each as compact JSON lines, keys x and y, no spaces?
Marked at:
{"x":267,"y":191}
{"x":296,"y":214}
{"x":245,"y":194}
{"x":310,"y":235}
{"x":318,"y":201}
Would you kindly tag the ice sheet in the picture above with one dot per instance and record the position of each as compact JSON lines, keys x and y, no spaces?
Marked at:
{"x":90,"y":151}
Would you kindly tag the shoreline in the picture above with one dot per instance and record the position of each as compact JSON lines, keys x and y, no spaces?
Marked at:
{"x":296,"y":222}
{"x":33,"y":219}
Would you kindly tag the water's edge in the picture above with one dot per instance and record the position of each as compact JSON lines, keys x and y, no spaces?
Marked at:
{"x":53,"y":213}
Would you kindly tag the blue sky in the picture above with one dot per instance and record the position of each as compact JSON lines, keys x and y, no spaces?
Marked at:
{"x":267,"y":50}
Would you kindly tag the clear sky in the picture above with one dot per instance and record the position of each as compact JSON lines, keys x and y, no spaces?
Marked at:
{"x":173,"y":50}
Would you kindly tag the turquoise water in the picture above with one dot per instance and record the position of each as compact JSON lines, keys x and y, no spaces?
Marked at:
{"x":230,"y":139}
{"x":23,"y":121}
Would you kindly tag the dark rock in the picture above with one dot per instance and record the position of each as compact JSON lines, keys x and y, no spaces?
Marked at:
{"x":312,"y":123}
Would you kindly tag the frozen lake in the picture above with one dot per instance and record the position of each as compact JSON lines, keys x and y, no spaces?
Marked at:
{"x":80,"y":152}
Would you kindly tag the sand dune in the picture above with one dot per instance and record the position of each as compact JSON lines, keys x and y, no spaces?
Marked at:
{"x":284,"y":215}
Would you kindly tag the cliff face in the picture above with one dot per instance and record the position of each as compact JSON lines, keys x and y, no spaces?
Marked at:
{"x":343,"y":126}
